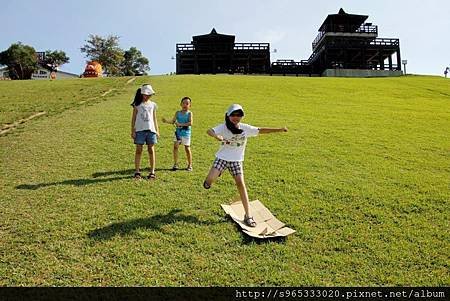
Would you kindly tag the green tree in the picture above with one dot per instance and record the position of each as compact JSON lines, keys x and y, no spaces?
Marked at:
{"x":134,"y":63}
{"x":106,"y":51}
{"x":20,"y":59}
{"x":54,"y":59}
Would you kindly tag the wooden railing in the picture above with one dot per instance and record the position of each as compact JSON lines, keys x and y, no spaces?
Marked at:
{"x":185,"y":47}
{"x":289,"y":63}
{"x":237,"y":46}
{"x":251,"y":46}
{"x":365,"y":28}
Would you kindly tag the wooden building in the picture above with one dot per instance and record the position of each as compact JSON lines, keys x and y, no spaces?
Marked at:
{"x":345,"y":46}
{"x":346,"y":42}
{"x":218,"y":53}
{"x":290,"y":67}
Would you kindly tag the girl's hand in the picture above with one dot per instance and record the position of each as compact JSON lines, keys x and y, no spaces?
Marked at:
{"x":219,"y":137}
{"x":133,"y":134}
{"x":157,"y":134}
{"x":285,"y":129}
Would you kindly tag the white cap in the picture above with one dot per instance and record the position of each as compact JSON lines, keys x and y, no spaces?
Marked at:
{"x":235,"y":107}
{"x":147,"y":90}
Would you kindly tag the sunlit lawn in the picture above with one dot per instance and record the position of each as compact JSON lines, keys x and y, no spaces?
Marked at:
{"x":362,"y":176}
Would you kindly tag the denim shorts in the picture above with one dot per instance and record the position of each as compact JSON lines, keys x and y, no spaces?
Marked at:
{"x":145,"y":137}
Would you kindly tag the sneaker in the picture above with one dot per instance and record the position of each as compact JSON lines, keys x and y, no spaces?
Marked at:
{"x":189,"y":168}
{"x":174,"y":167}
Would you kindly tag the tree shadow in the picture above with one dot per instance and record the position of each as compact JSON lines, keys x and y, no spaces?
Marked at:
{"x":120,"y":175}
{"x":74,"y":182}
{"x":155,"y":222}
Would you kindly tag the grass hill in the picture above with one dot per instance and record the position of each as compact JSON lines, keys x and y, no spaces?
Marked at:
{"x":362,"y":175}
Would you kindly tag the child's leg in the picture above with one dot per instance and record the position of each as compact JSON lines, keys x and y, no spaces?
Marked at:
{"x":187,"y":148}
{"x":176,"y":144}
{"x":212,"y":176}
{"x":137,"y":157}
{"x":151,"y":156}
{"x":240,"y":183}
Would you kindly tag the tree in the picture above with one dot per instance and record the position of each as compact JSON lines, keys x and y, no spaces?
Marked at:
{"x":106,"y":51}
{"x":54,"y":59}
{"x":134,"y":63}
{"x":21,"y":61}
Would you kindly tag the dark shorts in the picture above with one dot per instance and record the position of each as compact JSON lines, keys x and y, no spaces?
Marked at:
{"x":145,"y":137}
{"x":235,"y":167}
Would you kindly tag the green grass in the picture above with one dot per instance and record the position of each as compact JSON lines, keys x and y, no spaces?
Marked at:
{"x":362,"y":175}
{"x":21,"y":99}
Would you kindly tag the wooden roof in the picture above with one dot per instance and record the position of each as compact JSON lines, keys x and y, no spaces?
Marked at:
{"x":213,"y":36}
{"x":342,"y":18}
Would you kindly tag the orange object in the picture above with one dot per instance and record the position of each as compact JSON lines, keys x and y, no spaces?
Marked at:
{"x":93,"y":69}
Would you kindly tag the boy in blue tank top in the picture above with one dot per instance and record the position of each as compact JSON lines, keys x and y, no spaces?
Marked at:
{"x":183,"y":121}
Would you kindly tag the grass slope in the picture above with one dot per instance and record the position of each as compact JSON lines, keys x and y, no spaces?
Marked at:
{"x":362,"y":175}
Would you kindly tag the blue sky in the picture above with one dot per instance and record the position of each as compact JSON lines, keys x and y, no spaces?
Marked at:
{"x":154,"y":27}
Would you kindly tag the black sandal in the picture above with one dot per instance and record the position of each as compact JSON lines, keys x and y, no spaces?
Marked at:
{"x":151,"y":176}
{"x":137,"y":175}
{"x":206,"y":185}
{"x":249,"y":221}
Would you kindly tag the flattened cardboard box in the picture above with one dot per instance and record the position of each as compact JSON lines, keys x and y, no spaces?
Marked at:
{"x":267,"y":225}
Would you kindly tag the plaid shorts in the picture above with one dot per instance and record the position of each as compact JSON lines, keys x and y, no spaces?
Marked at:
{"x":235,"y":167}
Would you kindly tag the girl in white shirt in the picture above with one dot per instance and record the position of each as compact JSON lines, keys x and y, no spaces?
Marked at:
{"x":233,"y":137}
{"x":144,"y":128}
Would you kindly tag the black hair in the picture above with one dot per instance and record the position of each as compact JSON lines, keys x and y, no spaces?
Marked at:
{"x":137,"y":98}
{"x":186,"y":97}
{"x":231,"y":126}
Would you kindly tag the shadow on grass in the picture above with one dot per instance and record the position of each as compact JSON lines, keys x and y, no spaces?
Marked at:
{"x":121,"y":175}
{"x":125,"y":172}
{"x":75,"y":182}
{"x":260,"y":241}
{"x":155,"y":222}
{"x":253,"y":240}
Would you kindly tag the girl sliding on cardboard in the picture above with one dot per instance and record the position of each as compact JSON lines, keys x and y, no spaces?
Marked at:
{"x":233,"y":137}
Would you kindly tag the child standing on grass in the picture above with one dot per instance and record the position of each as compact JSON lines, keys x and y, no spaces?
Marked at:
{"x":144,"y":128}
{"x":233,"y":137}
{"x":183,"y":121}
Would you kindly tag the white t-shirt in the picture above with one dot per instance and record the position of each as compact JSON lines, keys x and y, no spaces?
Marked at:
{"x":233,"y":146}
{"x":144,"y":117}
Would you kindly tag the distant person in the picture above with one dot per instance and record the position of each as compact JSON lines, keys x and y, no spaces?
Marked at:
{"x":183,"y":121}
{"x":144,"y":128}
{"x":233,"y":137}
{"x":446,"y":71}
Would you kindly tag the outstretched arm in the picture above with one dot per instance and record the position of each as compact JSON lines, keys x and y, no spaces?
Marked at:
{"x":211,"y":133}
{"x":272,"y":130}
{"x":170,"y":121}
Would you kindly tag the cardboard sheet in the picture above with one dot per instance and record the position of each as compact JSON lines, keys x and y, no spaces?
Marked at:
{"x":267,"y":225}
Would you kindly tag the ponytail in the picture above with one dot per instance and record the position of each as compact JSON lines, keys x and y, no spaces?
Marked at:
{"x":231,"y":126}
{"x":137,"y":98}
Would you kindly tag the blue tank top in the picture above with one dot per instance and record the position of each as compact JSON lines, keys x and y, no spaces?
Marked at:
{"x":184,"y":131}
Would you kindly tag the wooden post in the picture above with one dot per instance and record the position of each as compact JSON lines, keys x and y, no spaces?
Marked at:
{"x":399,"y":61}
